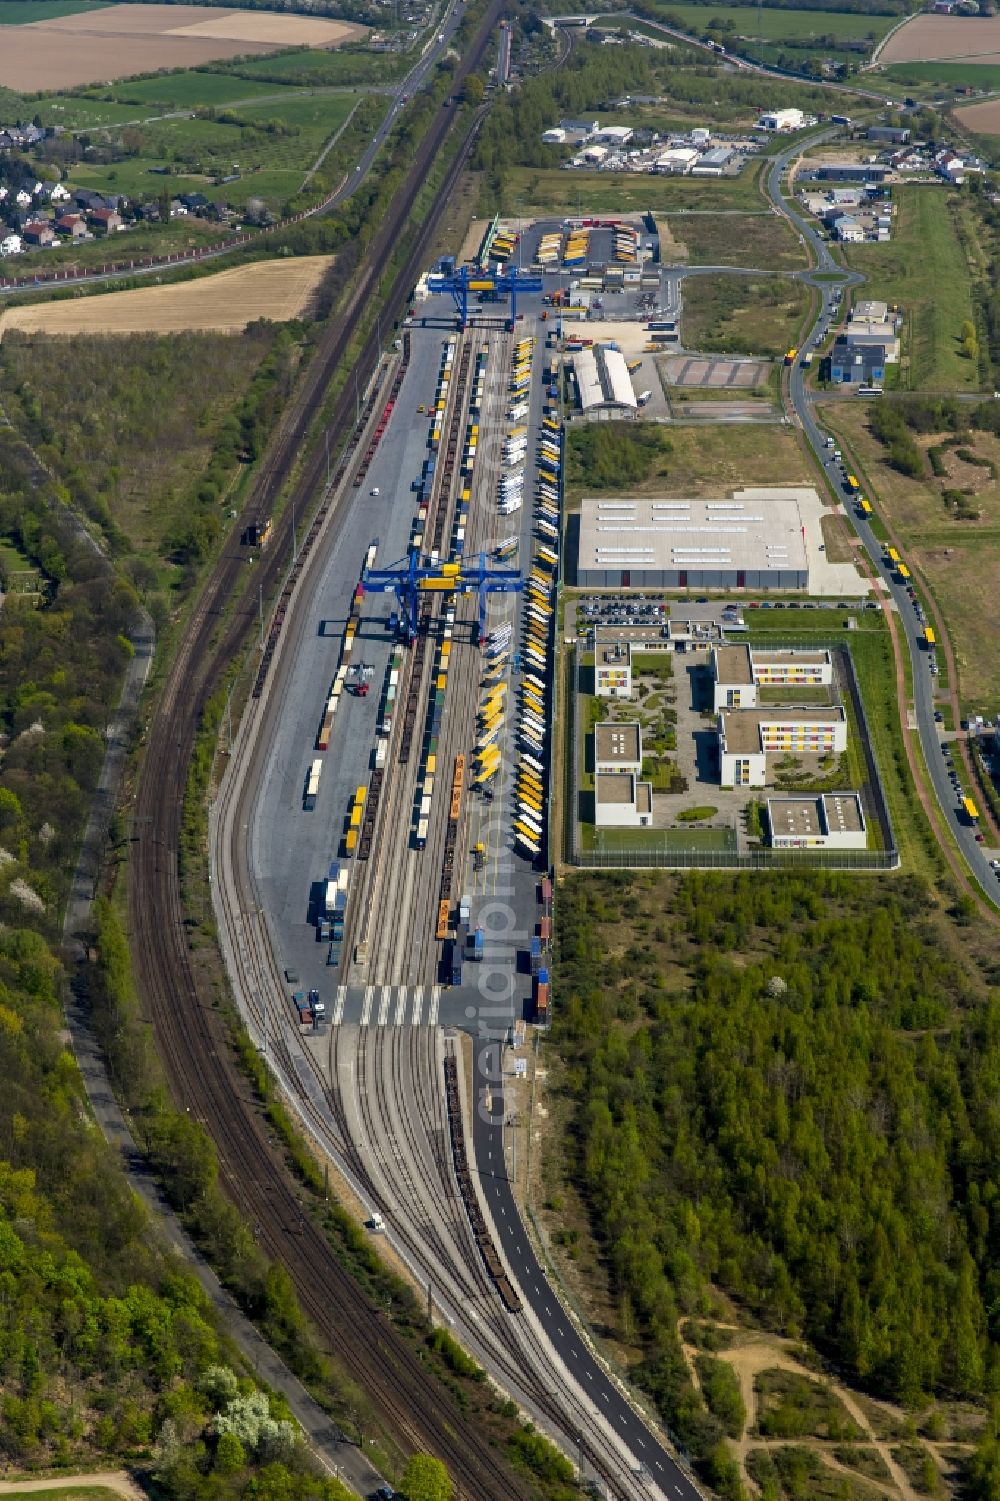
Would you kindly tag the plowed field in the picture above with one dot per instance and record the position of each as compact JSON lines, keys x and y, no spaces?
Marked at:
{"x":974,"y":39}
{"x":224,"y":303}
{"x":123,"y":40}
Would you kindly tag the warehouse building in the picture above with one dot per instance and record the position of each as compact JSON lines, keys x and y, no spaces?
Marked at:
{"x":622,"y":802}
{"x":602,"y":380}
{"x":782,"y":119}
{"x":738,"y":671}
{"x":617,"y":748}
{"x":755,"y":541}
{"x":834,"y":820}
{"x":748,"y":736}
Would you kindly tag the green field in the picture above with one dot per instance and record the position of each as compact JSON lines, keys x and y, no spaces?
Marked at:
{"x":193,"y":88}
{"x":780,"y":25}
{"x":974,"y":75}
{"x":548,"y":191}
{"x":323,"y":68}
{"x":272,"y":145}
{"x":761,"y":240}
{"x":24,"y":12}
{"x":924,"y":270}
{"x":74,"y":112}
{"x":740,"y":315}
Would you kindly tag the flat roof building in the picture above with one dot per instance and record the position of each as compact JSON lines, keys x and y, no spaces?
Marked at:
{"x":612,"y":666}
{"x":753,"y":541}
{"x":622,"y":801}
{"x":782,"y":119}
{"x":748,"y":736}
{"x":617,"y":747}
{"x":834,"y":820}
{"x":739,"y":670}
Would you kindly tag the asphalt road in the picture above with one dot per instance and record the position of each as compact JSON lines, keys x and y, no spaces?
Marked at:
{"x":931,"y":737}
{"x":660,"y":1468}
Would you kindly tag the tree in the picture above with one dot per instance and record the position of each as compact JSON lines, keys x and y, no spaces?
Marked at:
{"x":426,"y":1479}
{"x":475,"y":89}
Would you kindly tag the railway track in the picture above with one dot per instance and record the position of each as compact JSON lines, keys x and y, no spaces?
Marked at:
{"x":190,"y":1034}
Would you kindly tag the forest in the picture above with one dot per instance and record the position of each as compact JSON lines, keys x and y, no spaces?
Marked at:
{"x":784,"y":1089}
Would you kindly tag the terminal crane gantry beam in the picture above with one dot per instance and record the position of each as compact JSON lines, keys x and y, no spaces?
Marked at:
{"x":411,"y":579}
{"x":459,"y":283}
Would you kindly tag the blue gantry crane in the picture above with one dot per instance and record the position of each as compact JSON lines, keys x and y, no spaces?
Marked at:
{"x":459,"y":283}
{"x":411,"y":579}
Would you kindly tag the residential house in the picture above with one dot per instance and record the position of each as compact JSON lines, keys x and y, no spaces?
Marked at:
{"x":11,"y":245}
{"x":36,"y":232}
{"x":86,"y":199}
{"x":73,"y":226}
{"x":105,"y":220}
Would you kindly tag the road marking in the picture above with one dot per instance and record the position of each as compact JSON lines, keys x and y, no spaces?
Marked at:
{"x":401,"y":1006}
{"x":383,"y":1005}
{"x":418,"y":1001}
{"x":432,"y":1015}
{"x":366,"y":1006}
{"x":338,"y":1005}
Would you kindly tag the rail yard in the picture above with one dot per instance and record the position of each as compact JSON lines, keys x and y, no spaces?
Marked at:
{"x":380,"y":847}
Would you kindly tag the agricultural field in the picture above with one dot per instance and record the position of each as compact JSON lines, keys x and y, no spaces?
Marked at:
{"x":924,"y":270}
{"x":930,"y":78}
{"x":982,"y":119}
{"x":781,"y":25}
{"x":762,"y":240}
{"x":225,"y":303}
{"x":960,"y":559}
{"x":308,"y":67}
{"x":928,"y":38}
{"x":738,"y":315}
{"x":127,"y":39}
{"x":28,"y":12}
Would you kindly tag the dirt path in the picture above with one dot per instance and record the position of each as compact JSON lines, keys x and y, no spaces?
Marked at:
{"x":112,"y":1480}
{"x":749,"y":1360}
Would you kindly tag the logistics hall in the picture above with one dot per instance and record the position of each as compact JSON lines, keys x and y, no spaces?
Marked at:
{"x":740,"y":543}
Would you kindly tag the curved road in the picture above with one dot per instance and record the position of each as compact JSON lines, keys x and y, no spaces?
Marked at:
{"x":923,"y":720}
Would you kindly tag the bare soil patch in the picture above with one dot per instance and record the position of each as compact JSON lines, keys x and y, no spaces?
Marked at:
{"x":224,"y":303}
{"x":124,"y":40}
{"x":930,"y":38}
{"x":984,"y":119}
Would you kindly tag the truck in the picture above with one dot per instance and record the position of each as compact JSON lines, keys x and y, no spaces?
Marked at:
{"x":807,"y":358}
{"x":464,"y":909}
{"x":476,"y":946}
{"x":790,"y":356}
{"x":644,"y":398}
{"x":542,"y":997}
{"x":535,"y":954}
{"x":840,"y":119}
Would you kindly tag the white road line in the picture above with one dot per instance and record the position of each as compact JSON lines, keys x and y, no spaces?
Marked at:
{"x":383,"y":1005}
{"x":366,"y":1005}
{"x":338,"y":1005}
{"x":432,"y":1015}
{"x":401,"y":1006}
{"x":418,"y":1001}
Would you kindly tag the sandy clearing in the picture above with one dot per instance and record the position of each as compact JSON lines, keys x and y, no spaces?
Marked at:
{"x":932,"y":38}
{"x":111,"y":1480}
{"x":984,"y":119}
{"x":124,"y":40}
{"x":224,"y":303}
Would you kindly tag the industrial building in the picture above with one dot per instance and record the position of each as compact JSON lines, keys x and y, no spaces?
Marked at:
{"x":617,"y":748}
{"x":782,"y":119}
{"x":748,"y":736}
{"x":834,"y":820}
{"x":602,"y":380}
{"x":752,"y":541}
{"x":621,"y":801}
{"x":738,"y":671}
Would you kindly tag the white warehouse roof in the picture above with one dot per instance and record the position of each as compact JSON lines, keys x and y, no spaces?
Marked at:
{"x":602,"y":379}
{"x":753,"y":534}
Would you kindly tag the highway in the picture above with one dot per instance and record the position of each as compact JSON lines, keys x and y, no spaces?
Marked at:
{"x":896,"y":598}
